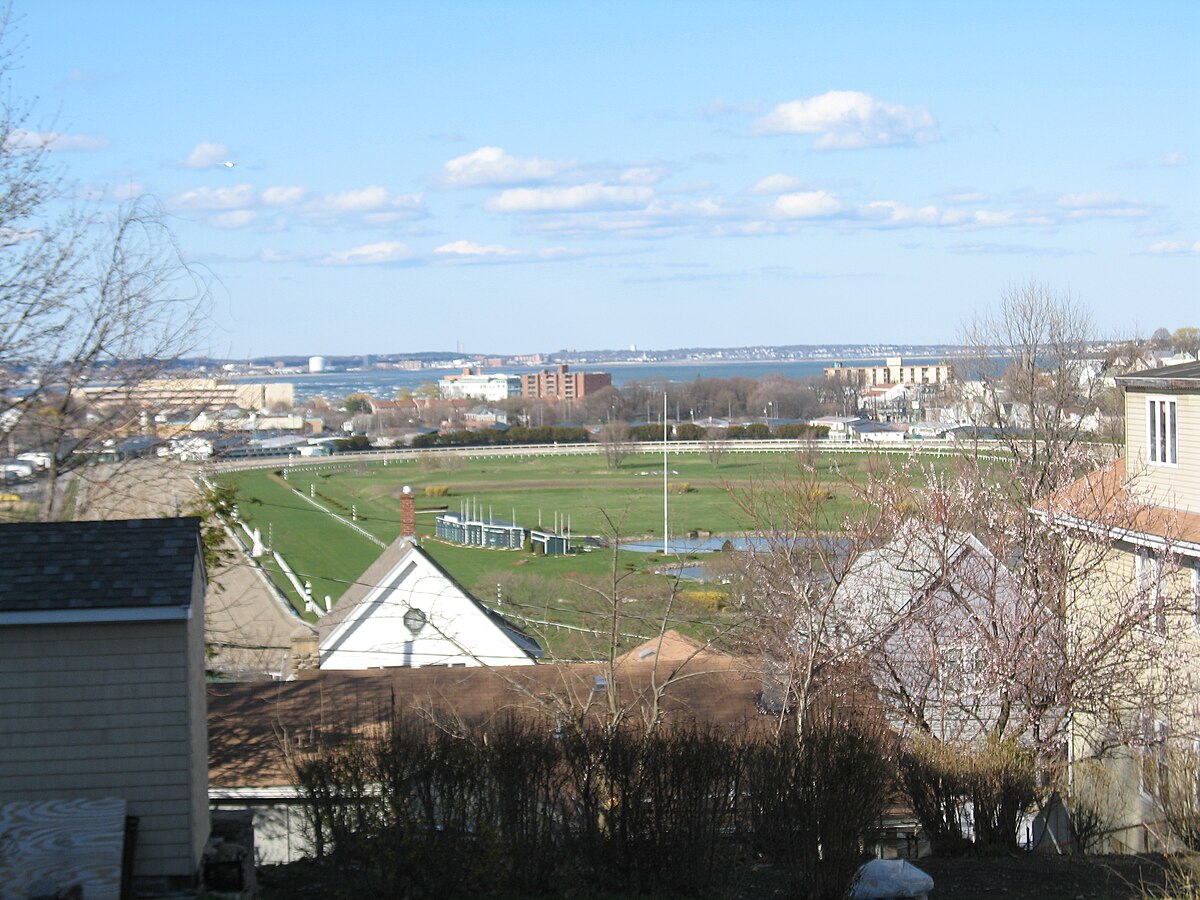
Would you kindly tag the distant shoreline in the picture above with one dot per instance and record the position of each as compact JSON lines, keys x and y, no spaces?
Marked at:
{"x":624,"y":363}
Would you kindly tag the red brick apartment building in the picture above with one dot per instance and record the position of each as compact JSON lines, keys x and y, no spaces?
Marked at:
{"x":559,"y":384}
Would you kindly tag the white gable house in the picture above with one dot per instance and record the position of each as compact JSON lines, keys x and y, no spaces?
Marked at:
{"x":406,"y":611}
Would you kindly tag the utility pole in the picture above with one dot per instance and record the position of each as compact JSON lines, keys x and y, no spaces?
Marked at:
{"x":666,"y":548}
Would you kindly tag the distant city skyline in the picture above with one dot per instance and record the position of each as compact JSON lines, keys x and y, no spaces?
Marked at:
{"x":386,"y":178}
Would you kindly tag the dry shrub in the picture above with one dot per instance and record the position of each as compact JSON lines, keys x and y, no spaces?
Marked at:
{"x":437,"y":490}
{"x":956,"y":790}
{"x":1179,"y":796}
{"x":524,"y":807}
{"x":1182,"y":881}
{"x":1089,"y":805}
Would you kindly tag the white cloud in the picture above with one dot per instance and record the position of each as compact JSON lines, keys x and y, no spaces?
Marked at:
{"x":847,"y":120}
{"x":644,"y":175}
{"x":20,"y":139}
{"x":777,"y":184}
{"x":372,"y":205}
{"x":684,"y":188}
{"x":470,"y":248}
{"x":992,"y":249}
{"x":491,"y":166}
{"x":360,"y":200}
{"x":375,"y":254}
{"x":376,"y":205}
{"x":283,"y":195}
{"x":238,"y":218}
{"x":1099,"y":205}
{"x":720,"y":107}
{"x":986,"y":218}
{"x":1088,"y":201}
{"x":236,"y":196}
{"x":890,"y":212}
{"x":205,"y":155}
{"x":1171,"y":160}
{"x":572,"y":199}
{"x":1175,"y":248}
{"x":130,"y":190}
{"x":964,"y":197}
{"x":809,"y":205}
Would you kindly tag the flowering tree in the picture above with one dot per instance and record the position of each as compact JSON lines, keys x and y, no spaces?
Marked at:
{"x":1023,"y":622}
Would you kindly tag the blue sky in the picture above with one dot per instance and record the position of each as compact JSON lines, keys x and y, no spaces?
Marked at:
{"x":524,"y":176}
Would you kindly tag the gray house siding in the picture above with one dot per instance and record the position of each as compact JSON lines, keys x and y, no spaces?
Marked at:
{"x":97,"y":710}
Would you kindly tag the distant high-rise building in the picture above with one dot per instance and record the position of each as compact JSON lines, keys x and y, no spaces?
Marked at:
{"x":560,"y":384}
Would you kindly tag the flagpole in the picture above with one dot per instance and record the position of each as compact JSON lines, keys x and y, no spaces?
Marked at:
{"x":666,"y":548}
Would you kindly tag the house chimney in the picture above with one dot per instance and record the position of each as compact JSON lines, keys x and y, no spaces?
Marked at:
{"x":408,"y":514}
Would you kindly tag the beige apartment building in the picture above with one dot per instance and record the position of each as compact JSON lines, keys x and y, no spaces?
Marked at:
{"x":195,"y":394}
{"x":893,"y":371}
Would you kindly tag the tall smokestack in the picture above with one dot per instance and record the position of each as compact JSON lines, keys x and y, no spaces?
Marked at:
{"x":408,"y":514}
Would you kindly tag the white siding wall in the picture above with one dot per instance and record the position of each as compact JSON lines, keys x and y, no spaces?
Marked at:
{"x":103,"y":710}
{"x":457,"y":631}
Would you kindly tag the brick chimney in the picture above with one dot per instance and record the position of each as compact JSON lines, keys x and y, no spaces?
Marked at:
{"x":408,"y":514}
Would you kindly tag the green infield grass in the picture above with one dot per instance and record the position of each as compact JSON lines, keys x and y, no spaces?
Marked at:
{"x":582,"y":490}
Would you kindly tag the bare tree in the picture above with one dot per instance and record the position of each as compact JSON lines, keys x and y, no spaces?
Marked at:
{"x":614,"y":443}
{"x":715,"y":446}
{"x":813,"y":613}
{"x":87,"y":297}
{"x":1030,"y":356}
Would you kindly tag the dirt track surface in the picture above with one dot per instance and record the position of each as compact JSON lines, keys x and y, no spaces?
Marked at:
{"x":247,"y":627}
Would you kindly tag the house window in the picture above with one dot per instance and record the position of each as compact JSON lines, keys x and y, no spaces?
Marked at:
{"x":952,"y":669}
{"x":1148,"y":576}
{"x":1161,"y":448}
{"x":1196,"y":594}
{"x":1154,"y":773}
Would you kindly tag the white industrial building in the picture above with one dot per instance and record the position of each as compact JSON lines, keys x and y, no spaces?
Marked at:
{"x":473,"y":384}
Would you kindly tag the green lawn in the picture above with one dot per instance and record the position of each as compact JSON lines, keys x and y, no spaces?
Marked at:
{"x":576,"y":487}
{"x":563,"y":590}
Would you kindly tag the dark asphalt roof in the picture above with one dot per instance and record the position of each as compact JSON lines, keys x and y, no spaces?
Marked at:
{"x":1184,"y":376}
{"x":92,"y":565}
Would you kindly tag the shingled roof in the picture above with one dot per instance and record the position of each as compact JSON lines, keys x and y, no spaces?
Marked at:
{"x":1180,"y":377}
{"x":125,"y":564}
{"x":250,"y":722}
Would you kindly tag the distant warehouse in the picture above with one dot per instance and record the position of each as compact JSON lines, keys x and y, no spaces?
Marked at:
{"x":478,"y":532}
{"x":194,"y":394}
{"x":497,"y":534}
